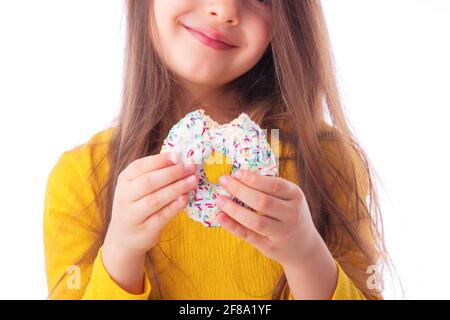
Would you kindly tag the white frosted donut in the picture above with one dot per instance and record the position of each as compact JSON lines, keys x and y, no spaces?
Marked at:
{"x":197,"y":137}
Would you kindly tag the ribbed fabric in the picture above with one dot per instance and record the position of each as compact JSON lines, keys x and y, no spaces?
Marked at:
{"x":217,"y":165}
{"x":191,"y":261}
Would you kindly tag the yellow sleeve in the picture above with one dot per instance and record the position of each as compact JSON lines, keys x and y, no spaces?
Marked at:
{"x":102,"y":286}
{"x":73,"y":229}
{"x":345,"y":288}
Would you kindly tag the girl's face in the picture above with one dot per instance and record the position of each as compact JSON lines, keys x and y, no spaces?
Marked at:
{"x":193,"y":56}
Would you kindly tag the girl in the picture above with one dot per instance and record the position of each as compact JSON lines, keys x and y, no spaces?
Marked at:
{"x":112,"y":222}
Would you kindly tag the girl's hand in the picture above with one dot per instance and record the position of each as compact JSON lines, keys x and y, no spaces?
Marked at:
{"x":282,"y":228}
{"x":148,"y":194}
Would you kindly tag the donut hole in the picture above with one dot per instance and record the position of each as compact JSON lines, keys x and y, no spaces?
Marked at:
{"x":217,"y":165}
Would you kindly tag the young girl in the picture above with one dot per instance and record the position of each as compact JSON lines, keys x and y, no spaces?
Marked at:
{"x":113,"y":222}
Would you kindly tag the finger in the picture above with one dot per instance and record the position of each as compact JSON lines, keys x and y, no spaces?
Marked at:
{"x":158,"y":220}
{"x":148,"y":205}
{"x":149,"y":163}
{"x":155,"y":180}
{"x":275,"y":186}
{"x":263,"y":225}
{"x":234,"y":227}
{"x":269,"y":205}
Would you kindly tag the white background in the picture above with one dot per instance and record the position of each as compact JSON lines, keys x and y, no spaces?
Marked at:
{"x":60,"y":77}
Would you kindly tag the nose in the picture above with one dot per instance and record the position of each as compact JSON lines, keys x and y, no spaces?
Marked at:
{"x":225,"y":10}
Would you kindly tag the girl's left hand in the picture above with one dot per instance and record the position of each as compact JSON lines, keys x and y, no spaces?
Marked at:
{"x":282,"y":229}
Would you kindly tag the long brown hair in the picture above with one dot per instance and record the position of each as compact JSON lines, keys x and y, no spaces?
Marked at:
{"x":293,"y":88}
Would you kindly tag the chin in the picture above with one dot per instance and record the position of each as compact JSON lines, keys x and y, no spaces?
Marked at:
{"x":204,"y":78}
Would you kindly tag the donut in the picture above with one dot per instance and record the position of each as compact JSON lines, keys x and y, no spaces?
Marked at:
{"x":218,"y":150}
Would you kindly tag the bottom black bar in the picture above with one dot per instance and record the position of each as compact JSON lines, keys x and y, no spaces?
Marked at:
{"x":225,"y":309}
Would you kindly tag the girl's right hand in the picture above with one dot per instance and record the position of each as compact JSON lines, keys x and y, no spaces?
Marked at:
{"x":148,"y":194}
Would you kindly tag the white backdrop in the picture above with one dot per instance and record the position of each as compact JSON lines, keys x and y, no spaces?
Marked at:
{"x":60,"y":74}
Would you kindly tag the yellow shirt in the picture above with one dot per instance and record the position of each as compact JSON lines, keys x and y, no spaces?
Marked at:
{"x":207,"y":263}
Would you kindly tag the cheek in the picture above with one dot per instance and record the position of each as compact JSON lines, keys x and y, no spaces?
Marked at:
{"x":257,"y":24}
{"x":257,"y":39}
{"x":259,"y":36}
{"x":166,"y":13}
{"x":171,"y":8}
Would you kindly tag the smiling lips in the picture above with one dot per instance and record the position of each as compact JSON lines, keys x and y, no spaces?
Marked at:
{"x":210,"y":38}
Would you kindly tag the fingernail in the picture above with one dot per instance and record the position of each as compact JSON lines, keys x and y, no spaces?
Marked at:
{"x":239,"y":174}
{"x":189,"y":167}
{"x":224,"y":180}
{"x":220,"y":201}
{"x":174,"y":157}
{"x":191,"y":180}
{"x":180,"y":200}
{"x":221,"y":217}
